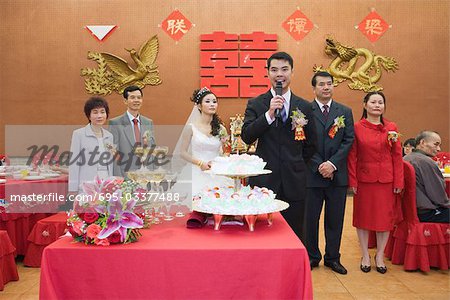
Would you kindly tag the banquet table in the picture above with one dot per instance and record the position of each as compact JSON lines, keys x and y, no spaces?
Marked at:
{"x":172,"y":262}
{"x":19,"y":219}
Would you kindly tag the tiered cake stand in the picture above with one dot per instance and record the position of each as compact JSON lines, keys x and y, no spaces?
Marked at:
{"x":249,"y":216}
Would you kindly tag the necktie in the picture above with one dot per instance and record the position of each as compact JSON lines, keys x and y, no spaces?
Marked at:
{"x":137,"y":132}
{"x":325,"y":111}
{"x":283,"y":114}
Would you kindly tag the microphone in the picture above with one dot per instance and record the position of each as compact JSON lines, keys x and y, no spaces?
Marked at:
{"x":278,"y":92}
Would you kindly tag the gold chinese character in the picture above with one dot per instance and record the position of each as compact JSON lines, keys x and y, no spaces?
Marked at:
{"x":297,"y":24}
{"x":373,"y":26}
{"x":176,"y":25}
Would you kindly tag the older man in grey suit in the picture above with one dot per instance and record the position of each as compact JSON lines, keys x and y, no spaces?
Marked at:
{"x":326,"y":178}
{"x":128,"y":131}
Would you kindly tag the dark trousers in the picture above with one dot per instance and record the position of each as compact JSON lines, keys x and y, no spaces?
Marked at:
{"x":440,"y":215}
{"x":295,"y":215}
{"x":334,"y":198}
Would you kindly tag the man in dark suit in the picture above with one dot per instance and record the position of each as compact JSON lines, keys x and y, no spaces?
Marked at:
{"x":327,"y":173}
{"x":285,"y":155}
{"x":128,"y":131}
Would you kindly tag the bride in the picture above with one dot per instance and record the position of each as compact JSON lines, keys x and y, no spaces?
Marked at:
{"x":200,"y":143}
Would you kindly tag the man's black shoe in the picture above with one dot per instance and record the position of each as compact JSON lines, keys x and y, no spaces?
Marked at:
{"x":336,"y":267}
{"x":314,"y":264}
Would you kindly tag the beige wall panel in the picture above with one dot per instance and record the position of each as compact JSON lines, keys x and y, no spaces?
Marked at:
{"x":43,"y":46}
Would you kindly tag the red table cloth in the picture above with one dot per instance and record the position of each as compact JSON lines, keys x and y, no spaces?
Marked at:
{"x":8,"y":268}
{"x":172,"y":262}
{"x":19,"y":225}
{"x":45,"y":232}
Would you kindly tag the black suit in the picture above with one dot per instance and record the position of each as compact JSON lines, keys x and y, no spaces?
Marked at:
{"x":333,"y":191}
{"x":285,"y":156}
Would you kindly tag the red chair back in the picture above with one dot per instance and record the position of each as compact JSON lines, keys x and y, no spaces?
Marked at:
{"x":409,"y":207}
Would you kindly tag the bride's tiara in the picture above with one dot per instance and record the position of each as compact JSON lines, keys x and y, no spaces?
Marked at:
{"x":202,"y":92}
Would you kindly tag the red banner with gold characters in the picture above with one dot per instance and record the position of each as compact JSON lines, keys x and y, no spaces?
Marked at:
{"x":234,"y":65}
{"x":298,"y":25}
{"x":176,"y":25}
{"x":373,"y":26}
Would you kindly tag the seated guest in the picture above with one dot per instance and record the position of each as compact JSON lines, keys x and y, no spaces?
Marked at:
{"x":90,"y":157}
{"x":432,"y":201}
{"x":408,"y":146}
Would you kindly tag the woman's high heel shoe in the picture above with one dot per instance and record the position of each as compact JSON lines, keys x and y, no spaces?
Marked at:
{"x":365,"y":269}
{"x":381,"y":270}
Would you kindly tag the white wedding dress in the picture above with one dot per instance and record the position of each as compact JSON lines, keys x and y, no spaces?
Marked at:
{"x":192,"y":179}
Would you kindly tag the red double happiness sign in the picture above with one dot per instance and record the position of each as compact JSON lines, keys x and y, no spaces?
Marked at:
{"x":234,"y":65}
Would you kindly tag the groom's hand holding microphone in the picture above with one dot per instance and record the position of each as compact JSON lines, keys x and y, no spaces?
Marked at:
{"x":277,"y":102}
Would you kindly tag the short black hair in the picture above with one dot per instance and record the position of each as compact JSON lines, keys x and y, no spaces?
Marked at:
{"x":131,"y":88}
{"x":320,"y":74}
{"x":410,"y":142}
{"x":95,"y":102}
{"x":280,"y":56}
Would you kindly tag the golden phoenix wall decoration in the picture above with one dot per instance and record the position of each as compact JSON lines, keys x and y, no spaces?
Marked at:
{"x":115,"y":74}
{"x":344,"y":66}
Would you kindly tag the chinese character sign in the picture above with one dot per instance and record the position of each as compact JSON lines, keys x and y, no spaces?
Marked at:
{"x":234,"y":65}
{"x":298,"y":25}
{"x":373,"y":26}
{"x":176,"y":25}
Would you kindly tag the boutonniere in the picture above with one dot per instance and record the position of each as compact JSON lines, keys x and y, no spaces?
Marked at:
{"x":111,"y":148}
{"x":298,"y":121}
{"x":339,"y":122}
{"x":146,"y":137}
{"x":393,"y":137}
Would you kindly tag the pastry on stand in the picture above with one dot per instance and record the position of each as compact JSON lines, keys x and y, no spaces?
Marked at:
{"x":238,"y":200}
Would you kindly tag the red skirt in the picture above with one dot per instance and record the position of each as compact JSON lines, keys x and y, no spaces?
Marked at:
{"x":373,"y":206}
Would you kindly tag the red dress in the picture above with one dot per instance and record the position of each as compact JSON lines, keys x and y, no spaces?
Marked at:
{"x":375,"y":168}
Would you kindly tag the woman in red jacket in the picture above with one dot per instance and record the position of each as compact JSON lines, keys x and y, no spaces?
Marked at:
{"x":375,"y":171}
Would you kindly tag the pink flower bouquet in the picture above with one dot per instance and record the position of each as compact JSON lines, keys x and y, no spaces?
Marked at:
{"x":106,"y":214}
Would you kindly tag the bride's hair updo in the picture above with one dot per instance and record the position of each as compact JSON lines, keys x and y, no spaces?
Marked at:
{"x":197,"y":98}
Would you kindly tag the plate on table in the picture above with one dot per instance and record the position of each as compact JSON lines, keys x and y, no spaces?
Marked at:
{"x":2,"y":180}
{"x":50,"y":175}
{"x":35,"y":177}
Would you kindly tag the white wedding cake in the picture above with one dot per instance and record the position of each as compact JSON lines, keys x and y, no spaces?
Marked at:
{"x":238,"y":164}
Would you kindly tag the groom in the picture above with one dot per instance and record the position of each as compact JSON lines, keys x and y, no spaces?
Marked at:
{"x":285,"y":152}
{"x":128,"y":130}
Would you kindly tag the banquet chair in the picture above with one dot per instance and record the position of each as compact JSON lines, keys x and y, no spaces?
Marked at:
{"x":418,"y":245}
{"x":44,"y":232}
{"x":8,"y":268}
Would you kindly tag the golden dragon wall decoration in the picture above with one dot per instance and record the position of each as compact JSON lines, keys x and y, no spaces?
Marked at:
{"x":344,"y":66}
{"x":114,"y":73}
